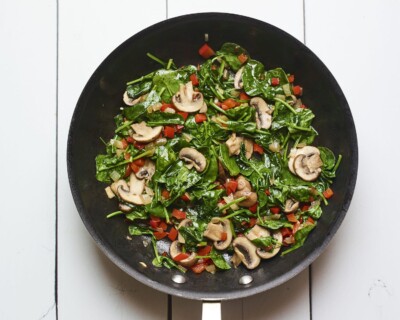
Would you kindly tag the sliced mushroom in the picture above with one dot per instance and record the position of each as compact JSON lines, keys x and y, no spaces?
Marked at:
{"x":109,"y":192}
{"x":244,"y":190}
{"x":308,"y":166}
{"x":129,"y":101}
{"x":175,"y":250}
{"x":234,"y":143}
{"x":183,"y":223}
{"x":247,"y":252}
{"x":134,"y":193}
{"x":251,"y":198}
{"x":187,"y":100}
{"x":291,"y":205}
{"x":124,"y":207}
{"x":203,"y":108}
{"x":214,"y":231}
{"x":263,"y":113}
{"x":260,"y":232}
{"x":144,"y":133}
{"x":307,"y":150}
{"x":115,"y":185}
{"x":147,"y":171}
{"x":238,"y":83}
{"x":193,"y":157}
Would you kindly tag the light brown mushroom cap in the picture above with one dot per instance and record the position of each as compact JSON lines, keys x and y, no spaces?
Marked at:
{"x":234,"y":144}
{"x":247,"y":252}
{"x":129,"y":101}
{"x":187,"y":100}
{"x":307,"y":167}
{"x":263,"y":113}
{"x":214,"y":232}
{"x":175,"y":250}
{"x":144,"y":133}
{"x":238,"y":83}
{"x":307,"y":150}
{"x":133,"y":194}
{"x":291,"y":205}
{"x":193,"y":157}
{"x":244,"y":190}
{"x":260,"y":232}
{"x":147,"y":171}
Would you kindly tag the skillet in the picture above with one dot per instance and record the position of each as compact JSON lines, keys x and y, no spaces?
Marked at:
{"x":180,"y":38}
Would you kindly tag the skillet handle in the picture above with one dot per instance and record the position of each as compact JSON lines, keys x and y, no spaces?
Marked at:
{"x":211,"y":310}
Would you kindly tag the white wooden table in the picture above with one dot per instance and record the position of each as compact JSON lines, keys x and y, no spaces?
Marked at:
{"x":51,"y":268}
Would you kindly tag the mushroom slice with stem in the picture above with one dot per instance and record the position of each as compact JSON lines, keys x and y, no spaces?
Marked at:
{"x":115,"y":185}
{"x":129,"y":101}
{"x":187,"y":100}
{"x":144,"y":133}
{"x":247,"y":252}
{"x":219,"y":230}
{"x":244,"y":190}
{"x":308,"y":167}
{"x":307,"y":150}
{"x":192,"y":157}
{"x":234,"y":143}
{"x":263,"y":113}
{"x":291,"y":205}
{"x":259,"y":232}
{"x":147,"y":171}
{"x":134,"y":193}
{"x":238,"y":83}
{"x":175,"y":249}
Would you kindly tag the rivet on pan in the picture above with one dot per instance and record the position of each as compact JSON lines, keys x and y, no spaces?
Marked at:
{"x":143,"y":264}
{"x":245,"y":279}
{"x":178,"y":278}
{"x":206,"y":37}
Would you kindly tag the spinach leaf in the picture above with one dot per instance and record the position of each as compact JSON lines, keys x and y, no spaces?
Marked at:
{"x":192,"y":236}
{"x":219,"y":260}
{"x":241,"y":127}
{"x":136,"y":90}
{"x":300,"y":237}
{"x":265,"y":242}
{"x":274,"y":224}
{"x":105,"y":164}
{"x":135,"y":230}
{"x":165,"y":157}
{"x":227,"y":161}
{"x":243,"y":113}
{"x":136,"y":215}
{"x":136,"y":111}
{"x":163,"y":119}
{"x":230,"y":52}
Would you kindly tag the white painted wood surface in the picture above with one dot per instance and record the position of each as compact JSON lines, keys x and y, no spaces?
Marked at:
{"x":357,"y":276}
{"x":28,"y":154}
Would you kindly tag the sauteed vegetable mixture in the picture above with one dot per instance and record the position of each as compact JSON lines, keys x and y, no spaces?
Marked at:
{"x":217,"y":161}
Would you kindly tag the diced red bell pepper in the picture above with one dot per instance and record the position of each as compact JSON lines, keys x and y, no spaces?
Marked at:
{"x":242,"y":58}
{"x":163,"y":226}
{"x":139,"y":145}
{"x":183,"y":114}
{"x":206,"y":51}
{"x":169,"y":132}
{"x":296,"y":227}
{"x":231,"y":186}
{"x":139,"y":162}
{"x":178,"y":214}
{"x":285,"y":232}
{"x":252,"y":222}
{"x":128,"y":171}
{"x":243,"y":96}
{"x":181,"y":256}
{"x":198,"y":268}
{"x":130,"y":140}
{"x":153,"y":223}
{"x":253,"y":208}
{"x":297,"y":90}
{"x":229,"y":104}
{"x":310,"y":220}
{"x":124,"y":143}
{"x":194,"y":79}
{"x":165,"y":106}
{"x":172,"y":234}
{"x":179,"y":128}
{"x":127,"y":156}
{"x":160,"y":234}
{"x":257,"y":148}
{"x":185,"y":197}
{"x":224,"y":236}
{"x":134,"y":167}
{"x":267,"y":192}
{"x":200,"y":117}
{"x":275,"y":210}
{"x":204,"y":251}
{"x":291,"y":217}
{"x":328,"y":193}
{"x":165,"y":194}
{"x":274,"y":82}
{"x":291,"y":78}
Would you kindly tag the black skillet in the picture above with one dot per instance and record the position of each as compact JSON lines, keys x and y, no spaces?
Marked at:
{"x":180,"y":38}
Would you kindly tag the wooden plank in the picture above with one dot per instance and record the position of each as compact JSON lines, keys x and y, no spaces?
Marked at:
{"x":358,"y":276}
{"x":290,"y":300}
{"x":89,"y":285}
{"x":28,"y":142}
